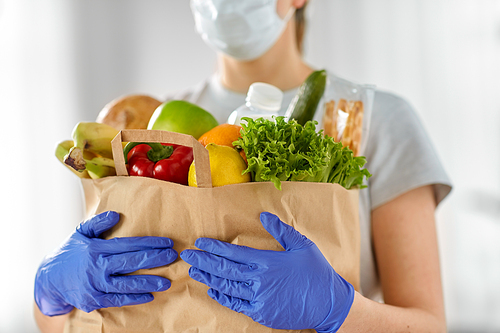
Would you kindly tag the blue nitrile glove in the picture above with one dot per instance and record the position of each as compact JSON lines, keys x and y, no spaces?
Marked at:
{"x":292,"y":289}
{"x":86,"y":272}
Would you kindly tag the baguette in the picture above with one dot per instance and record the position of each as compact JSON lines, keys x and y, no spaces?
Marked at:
{"x":351,"y":134}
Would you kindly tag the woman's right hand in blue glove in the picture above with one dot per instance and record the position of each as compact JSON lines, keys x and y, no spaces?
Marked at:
{"x":87,"y":272}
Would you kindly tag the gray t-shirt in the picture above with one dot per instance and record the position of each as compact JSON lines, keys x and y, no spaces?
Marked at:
{"x":399,"y":153}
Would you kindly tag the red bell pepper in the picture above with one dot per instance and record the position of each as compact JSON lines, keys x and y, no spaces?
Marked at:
{"x":162,"y":161}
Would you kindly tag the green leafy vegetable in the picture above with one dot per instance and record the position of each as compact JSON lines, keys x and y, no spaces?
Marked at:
{"x":283,"y":150}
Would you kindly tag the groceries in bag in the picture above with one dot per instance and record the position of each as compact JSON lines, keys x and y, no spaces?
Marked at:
{"x":272,"y":150}
{"x":230,"y":213}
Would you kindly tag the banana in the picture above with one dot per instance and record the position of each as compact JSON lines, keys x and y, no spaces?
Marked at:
{"x":62,"y":149}
{"x":94,"y":137}
{"x":96,"y":171}
{"x":89,"y":154}
{"x":96,"y":166}
{"x":99,"y":160}
{"x":75,"y":159}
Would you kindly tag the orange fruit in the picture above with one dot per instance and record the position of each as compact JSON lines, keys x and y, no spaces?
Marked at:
{"x":222,"y":135}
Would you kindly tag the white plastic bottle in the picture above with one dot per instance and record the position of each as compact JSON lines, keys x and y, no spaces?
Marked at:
{"x":263,"y":100}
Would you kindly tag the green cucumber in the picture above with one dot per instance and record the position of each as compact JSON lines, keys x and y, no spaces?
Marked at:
{"x":303,"y":106}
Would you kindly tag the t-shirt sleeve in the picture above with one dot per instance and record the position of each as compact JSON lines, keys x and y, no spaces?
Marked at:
{"x":400,"y":155}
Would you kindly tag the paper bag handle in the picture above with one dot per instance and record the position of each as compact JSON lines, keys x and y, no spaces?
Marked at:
{"x":200,"y":154}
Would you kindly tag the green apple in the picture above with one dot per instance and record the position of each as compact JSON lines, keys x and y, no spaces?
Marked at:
{"x":182,"y":117}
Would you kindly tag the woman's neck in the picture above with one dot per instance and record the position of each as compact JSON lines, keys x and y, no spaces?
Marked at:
{"x":281,"y":66}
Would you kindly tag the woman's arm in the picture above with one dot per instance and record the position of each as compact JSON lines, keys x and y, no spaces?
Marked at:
{"x":405,"y":244}
{"x":48,"y":324}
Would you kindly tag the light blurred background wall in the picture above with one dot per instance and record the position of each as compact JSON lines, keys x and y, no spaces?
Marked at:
{"x":61,"y":61}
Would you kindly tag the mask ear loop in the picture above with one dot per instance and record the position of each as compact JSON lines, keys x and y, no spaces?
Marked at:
{"x":289,"y":15}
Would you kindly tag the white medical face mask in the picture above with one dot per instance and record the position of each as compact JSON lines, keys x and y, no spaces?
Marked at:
{"x":242,"y":29}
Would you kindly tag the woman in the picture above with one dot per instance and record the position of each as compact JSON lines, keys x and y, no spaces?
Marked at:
{"x":399,"y":254}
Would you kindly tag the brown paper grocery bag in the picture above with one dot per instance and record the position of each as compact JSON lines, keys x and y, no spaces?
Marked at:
{"x":326,"y":213}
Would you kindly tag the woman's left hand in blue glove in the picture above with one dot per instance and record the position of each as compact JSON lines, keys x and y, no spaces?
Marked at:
{"x":292,"y":289}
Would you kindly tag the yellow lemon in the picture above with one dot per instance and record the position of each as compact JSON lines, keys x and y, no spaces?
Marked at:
{"x":226,"y":166}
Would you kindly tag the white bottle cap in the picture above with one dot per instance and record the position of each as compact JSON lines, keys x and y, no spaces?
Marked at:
{"x":264,"y":96}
